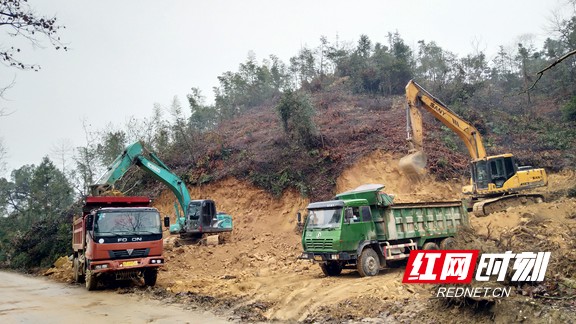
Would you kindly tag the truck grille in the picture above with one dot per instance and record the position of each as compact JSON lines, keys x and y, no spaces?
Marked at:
{"x":125,"y":254}
{"x":318,"y":244}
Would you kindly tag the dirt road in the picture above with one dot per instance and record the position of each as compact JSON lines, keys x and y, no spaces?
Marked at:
{"x":37,"y":300}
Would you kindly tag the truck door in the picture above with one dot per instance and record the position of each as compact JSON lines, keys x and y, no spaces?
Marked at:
{"x":357,"y":227}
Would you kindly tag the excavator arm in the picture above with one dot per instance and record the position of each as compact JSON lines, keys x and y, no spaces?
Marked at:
{"x":137,"y":154}
{"x":414,"y":164}
{"x":418,"y":98}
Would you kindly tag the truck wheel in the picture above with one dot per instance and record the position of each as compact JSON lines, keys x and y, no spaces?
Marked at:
{"x":331,"y":268}
{"x":447,"y":243}
{"x":430,"y":246}
{"x":91,"y":281}
{"x":368,"y":263}
{"x":150,"y":276}
{"x":78,"y":278}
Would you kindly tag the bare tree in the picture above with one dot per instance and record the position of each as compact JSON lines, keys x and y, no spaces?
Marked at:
{"x":86,"y":159}
{"x":61,"y":152}
{"x":20,"y":20}
{"x":3,"y":154}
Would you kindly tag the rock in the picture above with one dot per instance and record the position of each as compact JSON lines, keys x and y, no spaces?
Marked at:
{"x":60,"y":262}
{"x":210,"y":240}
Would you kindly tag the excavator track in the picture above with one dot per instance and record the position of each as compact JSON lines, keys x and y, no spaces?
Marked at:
{"x":488,"y":206}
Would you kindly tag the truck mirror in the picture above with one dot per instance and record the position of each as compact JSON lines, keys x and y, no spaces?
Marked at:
{"x":89,"y":222}
{"x":166,"y":221}
{"x":299,"y":216}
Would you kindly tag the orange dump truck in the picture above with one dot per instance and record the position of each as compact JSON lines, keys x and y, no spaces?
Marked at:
{"x":117,"y":238}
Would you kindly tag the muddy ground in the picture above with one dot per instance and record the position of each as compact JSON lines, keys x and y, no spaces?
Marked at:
{"x":256,"y":276}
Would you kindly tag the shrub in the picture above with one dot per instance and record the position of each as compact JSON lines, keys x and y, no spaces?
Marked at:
{"x":296,"y":111}
{"x":569,"y":110}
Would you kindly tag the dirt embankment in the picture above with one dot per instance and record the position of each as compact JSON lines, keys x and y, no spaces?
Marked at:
{"x":257,"y":270}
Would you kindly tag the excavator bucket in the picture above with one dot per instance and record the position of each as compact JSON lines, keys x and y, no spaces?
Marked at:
{"x":413,"y":165}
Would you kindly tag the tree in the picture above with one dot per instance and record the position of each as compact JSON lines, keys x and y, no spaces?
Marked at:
{"x":19,"y":20}
{"x":401,"y":69}
{"x":364,"y":47}
{"x":569,"y":110}
{"x":296,"y":112}
{"x":303,"y":67}
{"x":160,"y":130}
{"x":564,"y":49}
{"x":181,"y":135}
{"x":36,"y":207}
{"x":61,"y":152}
{"x":250,"y":87}
{"x":3,"y":153}
{"x":50,"y":191}
{"x":435,"y":65}
{"x":203,"y":117}
{"x":86,"y":158}
{"x":111,"y":146}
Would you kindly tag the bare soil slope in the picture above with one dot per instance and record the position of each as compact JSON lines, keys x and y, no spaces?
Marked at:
{"x":257,"y":272}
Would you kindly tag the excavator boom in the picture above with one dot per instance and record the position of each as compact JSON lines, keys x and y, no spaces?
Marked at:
{"x":418,"y":98}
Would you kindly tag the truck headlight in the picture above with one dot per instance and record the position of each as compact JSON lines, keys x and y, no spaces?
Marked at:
{"x":304,"y":256}
{"x":334,"y":257}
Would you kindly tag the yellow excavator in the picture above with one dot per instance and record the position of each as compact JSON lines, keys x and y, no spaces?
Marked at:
{"x":495,"y":180}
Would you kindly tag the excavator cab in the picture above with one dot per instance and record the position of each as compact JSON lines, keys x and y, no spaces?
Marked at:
{"x":200,"y":215}
{"x":494,"y":170}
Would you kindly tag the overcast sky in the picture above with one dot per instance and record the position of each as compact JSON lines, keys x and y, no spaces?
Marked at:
{"x":127,"y":55}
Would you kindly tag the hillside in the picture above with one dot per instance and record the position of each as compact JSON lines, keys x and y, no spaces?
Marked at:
{"x":253,"y":146}
{"x":256,"y":276}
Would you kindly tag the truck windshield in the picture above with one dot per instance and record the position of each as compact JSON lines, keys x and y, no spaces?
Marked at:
{"x":324,"y":218}
{"x":127,"y":222}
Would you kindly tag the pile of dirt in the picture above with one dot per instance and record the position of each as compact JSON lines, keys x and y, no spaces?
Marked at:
{"x":256,"y":274}
{"x":382,"y":168}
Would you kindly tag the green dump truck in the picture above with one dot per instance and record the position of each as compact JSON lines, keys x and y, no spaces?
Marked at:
{"x":364,"y":229}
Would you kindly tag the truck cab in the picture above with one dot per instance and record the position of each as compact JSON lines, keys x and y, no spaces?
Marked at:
{"x":117,"y":238}
{"x":337,"y":225}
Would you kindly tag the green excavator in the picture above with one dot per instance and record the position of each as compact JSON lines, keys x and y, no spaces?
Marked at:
{"x":196,"y":217}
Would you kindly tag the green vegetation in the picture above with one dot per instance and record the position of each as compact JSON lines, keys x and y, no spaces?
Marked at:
{"x":296,"y":112}
{"x":36,"y":204}
{"x":569,"y":110}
